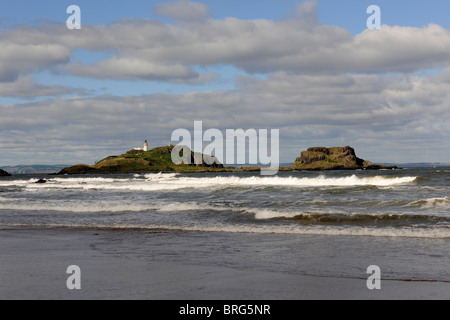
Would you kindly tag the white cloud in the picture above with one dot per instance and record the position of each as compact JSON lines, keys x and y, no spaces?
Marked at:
{"x":307,"y":13}
{"x":124,"y":68}
{"x":26,"y":88}
{"x":21,"y":59}
{"x":375,"y":114}
{"x":183,"y":11}
{"x":148,"y":49}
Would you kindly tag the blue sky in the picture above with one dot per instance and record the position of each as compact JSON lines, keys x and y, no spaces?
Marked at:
{"x":251,"y":64}
{"x":349,"y":14}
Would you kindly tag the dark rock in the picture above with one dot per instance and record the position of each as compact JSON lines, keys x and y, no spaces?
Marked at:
{"x":207,"y":162}
{"x":337,"y":158}
{"x":41,"y":181}
{"x":4,"y":173}
{"x":319,"y":149}
{"x":79,"y":169}
{"x":311,"y":156}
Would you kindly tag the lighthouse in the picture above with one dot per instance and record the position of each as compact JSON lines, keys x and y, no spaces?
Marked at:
{"x":145,"y":145}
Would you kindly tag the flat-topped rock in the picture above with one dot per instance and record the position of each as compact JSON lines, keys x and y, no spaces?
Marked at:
{"x":336,"y":158}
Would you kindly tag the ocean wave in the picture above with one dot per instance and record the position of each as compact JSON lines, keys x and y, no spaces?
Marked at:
{"x":156,"y":182}
{"x":76,"y":206}
{"x":430,"y":203}
{"x":320,"y":181}
{"x":236,"y":212}
{"x":345,"y":218}
{"x":160,"y":176}
{"x":327,"y":216}
{"x":371,"y":219}
{"x":407,"y":232}
{"x":178,"y":206}
{"x":6,"y":199}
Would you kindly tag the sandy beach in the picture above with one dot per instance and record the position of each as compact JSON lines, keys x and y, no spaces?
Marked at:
{"x":34,"y":263}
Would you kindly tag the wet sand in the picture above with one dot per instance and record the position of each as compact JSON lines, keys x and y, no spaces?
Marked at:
{"x":33,"y":264}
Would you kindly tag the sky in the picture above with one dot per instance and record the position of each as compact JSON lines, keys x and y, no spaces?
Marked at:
{"x":138,"y":70}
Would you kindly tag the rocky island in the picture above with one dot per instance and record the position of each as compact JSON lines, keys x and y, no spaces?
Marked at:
{"x":160,"y":160}
{"x":337,"y":158}
{"x":4,"y":173}
{"x":139,"y":161}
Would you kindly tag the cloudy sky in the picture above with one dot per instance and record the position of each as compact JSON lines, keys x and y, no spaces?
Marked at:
{"x":140,"y":69}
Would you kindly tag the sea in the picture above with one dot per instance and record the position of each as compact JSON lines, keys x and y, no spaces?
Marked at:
{"x":335,"y":222}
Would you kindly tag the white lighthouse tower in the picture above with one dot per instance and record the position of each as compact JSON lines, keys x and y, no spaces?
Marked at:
{"x":145,"y":145}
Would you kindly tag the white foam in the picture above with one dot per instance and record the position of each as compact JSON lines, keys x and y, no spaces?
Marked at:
{"x":320,"y":181}
{"x":155,"y":182}
{"x":80,"y":206}
{"x":5,"y":199}
{"x":111,"y":206}
{"x":430,"y":203}
{"x":9,"y":183}
{"x":262,"y":214}
{"x":77,"y":207}
{"x":436,"y":233}
{"x":160,"y":176}
{"x":178,"y":206}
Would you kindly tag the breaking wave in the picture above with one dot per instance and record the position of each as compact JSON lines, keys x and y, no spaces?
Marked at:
{"x":439,"y":203}
{"x":337,"y":203}
{"x":436,"y":233}
{"x":237,"y":219}
{"x":155,"y":182}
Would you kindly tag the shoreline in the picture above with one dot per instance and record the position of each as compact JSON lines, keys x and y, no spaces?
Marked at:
{"x":128,"y":265}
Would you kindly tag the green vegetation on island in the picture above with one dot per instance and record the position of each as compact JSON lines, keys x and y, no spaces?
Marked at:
{"x":139,"y":161}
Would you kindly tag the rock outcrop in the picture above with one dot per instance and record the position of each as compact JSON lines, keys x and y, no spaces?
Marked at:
{"x":337,"y":158}
{"x":4,"y":173}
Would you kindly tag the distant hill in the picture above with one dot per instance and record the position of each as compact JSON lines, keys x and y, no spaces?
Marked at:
{"x":419,"y":164}
{"x":35,"y":168}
